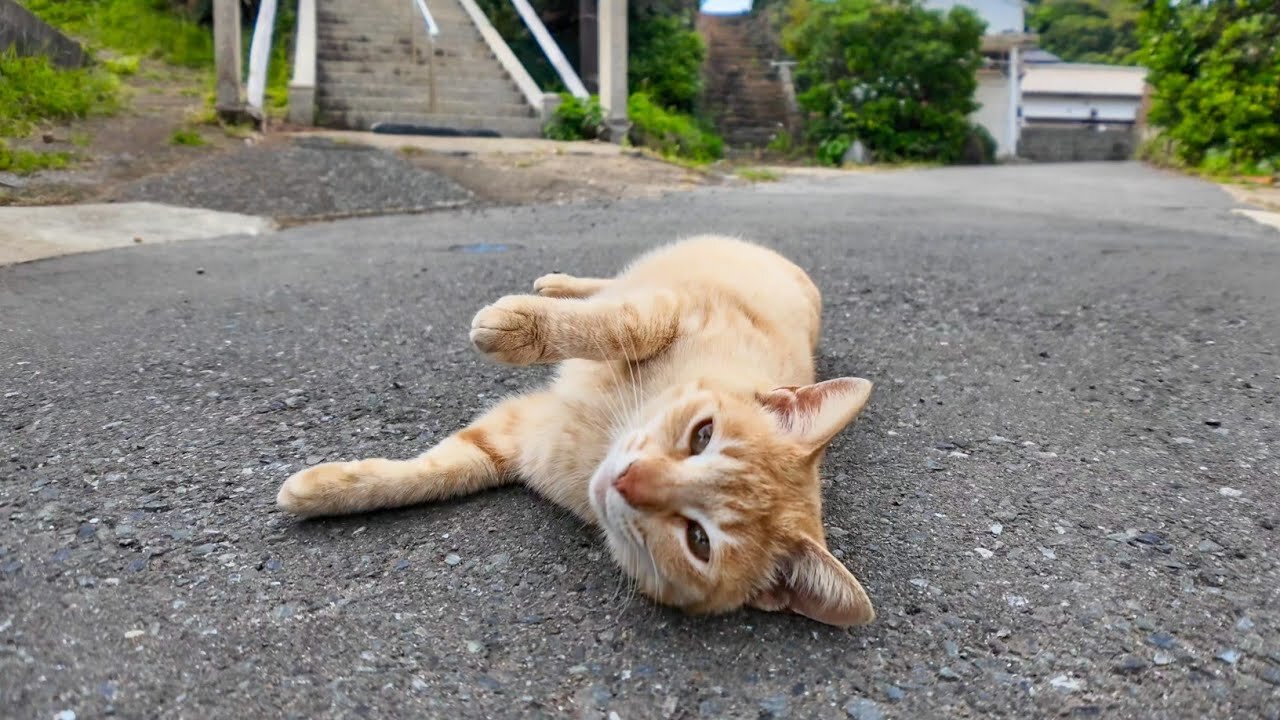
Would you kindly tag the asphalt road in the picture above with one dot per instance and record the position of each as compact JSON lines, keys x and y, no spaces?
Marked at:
{"x":1062,"y":498}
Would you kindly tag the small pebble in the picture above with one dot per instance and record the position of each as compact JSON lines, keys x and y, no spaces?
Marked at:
{"x":1229,"y":492}
{"x":1183,"y":441}
{"x":1244,"y":624}
{"x":1162,"y":640}
{"x":996,"y":528}
{"x":983,"y":553}
{"x":65,"y":715}
{"x":131,"y":634}
{"x":452,"y":559}
{"x":1230,"y":656}
{"x":1128,"y":665}
{"x":947,"y":673}
{"x":774,"y":706}
{"x":894,"y":693}
{"x":1161,"y":658}
{"x":1069,"y":684}
{"x":861,"y":708}
{"x":1208,"y":546}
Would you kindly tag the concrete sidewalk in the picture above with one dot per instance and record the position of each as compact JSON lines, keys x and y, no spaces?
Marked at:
{"x":32,"y":233}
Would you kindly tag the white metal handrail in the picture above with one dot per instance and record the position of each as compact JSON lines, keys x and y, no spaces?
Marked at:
{"x":260,"y":54}
{"x":551,"y":49}
{"x":432,"y":29}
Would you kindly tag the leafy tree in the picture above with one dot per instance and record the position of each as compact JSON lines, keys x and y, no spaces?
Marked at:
{"x":894,"y":75}
{"x":1215,"y":70}
{"x":1100,"y":31}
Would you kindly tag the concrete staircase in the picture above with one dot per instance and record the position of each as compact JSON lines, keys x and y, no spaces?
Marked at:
{"x":374,"y":64}
{"x":741,"y":90}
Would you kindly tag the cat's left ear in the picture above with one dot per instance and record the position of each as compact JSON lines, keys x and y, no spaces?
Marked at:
{"x":813,"y":414}
{"x":814,"y":583}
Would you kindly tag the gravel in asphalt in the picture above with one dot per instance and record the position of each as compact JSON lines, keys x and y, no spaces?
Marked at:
{"x":1062,"y":497}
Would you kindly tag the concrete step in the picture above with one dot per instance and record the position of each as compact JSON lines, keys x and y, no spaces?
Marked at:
{"x":422,"y":104}
{"x":366,"y":71}
{"x":510,"y":127}
{"x":412,"y":75}
{"x":487,"y":92}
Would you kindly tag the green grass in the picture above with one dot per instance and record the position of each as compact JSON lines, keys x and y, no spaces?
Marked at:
{"x":186,"y":138}
{"x":145,"y":28}
{"x":25,"y":162}
{"x":758,"y":175}
{"x":33,"y":91}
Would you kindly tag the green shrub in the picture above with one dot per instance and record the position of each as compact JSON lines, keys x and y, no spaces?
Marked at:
{"x":672,"y":134}
{"x":1215,"y":71}
{"x":979,"y":147}
{"x":576,"y":119}
{"x":896,"y":76}
{"x":665,"y":57}
{"x":147,"y":28}
{"x":33,"y":91}
{"x":25,"y":162}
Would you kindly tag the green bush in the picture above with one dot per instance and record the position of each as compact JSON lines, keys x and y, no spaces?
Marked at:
{"x":665,"y":57}
{"x":896,"y":76}
{"x":576,"y":119}
{"x":33,"y":91}
{"x":148,"y":28}
{"x":672,"y":134}
{"x":1215,"y":71}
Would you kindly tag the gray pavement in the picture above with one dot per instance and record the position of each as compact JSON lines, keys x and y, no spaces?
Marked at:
{"x":1062,"y":498}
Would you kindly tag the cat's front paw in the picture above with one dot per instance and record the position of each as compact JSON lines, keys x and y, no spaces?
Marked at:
{"x":557,"y":285}
{"x":315,"y":490}
{"x":512,"y":330}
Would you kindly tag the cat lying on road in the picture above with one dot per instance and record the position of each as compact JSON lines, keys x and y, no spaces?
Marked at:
{"x":685,"y":422}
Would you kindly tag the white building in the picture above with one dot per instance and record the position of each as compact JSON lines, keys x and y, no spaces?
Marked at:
{"x":998,"y":87}
{"x":1061,"y":93}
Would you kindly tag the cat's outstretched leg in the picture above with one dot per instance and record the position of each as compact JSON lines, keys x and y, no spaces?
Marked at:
{"x":483,"y":455}
{"x":526,"y":329}
{"x":559,"y":285}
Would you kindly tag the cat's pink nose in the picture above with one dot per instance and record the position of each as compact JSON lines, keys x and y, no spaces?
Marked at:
{"x":627,"y":484}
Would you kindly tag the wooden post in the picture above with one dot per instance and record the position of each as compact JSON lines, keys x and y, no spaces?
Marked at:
{"x":226,"y":49}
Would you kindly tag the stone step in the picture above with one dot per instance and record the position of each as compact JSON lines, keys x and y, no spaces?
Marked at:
{"x":510,"y":127}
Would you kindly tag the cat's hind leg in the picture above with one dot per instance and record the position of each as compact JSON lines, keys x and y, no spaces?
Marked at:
{"x":485,"y":454}
{"x":559,"y":285}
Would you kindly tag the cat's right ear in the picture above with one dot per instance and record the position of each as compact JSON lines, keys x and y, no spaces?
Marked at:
{"x":813,"y":414}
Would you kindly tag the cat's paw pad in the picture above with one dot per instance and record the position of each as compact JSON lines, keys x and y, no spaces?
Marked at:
{"x":313,"y":491}
{"x":511,"y":330}
{"x":557,"y":285}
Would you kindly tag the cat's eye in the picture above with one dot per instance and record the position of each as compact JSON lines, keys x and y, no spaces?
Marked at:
{"x":696,"y":538}
{"x":700,"y":438}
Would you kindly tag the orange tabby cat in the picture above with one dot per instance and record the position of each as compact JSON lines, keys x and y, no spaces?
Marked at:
{"x":685,"y":422}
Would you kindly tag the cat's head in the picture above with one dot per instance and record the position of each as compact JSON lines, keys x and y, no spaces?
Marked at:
{"x":712,"y":500}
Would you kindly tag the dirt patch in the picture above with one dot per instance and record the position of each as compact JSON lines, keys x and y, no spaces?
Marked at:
{"x":542,"y":177}
{"x":134,"y":143}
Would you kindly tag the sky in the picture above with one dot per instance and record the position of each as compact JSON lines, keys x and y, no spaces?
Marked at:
{"x":725,"y":7}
